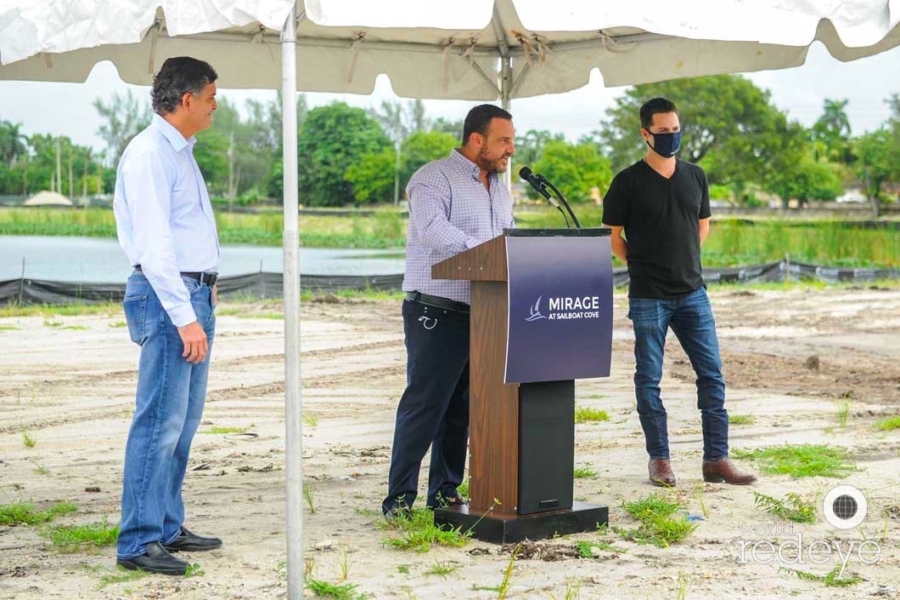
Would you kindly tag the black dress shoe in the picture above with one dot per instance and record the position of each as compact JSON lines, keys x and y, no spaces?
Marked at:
{"x":155,"y":560}
{"x":191,"y":542}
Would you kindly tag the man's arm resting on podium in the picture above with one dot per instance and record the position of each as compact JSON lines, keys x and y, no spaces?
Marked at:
{"x":619,"y":245}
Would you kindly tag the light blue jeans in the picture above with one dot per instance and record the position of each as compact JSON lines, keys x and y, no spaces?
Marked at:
{"x":691,"y":319}
{"x":169,"y":404}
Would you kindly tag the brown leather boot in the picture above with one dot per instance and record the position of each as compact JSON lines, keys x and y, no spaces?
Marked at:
{"x":719,"y":471}
{"x":661,"y":474}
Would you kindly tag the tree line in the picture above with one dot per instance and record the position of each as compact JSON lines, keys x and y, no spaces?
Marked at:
{"x":748,"y":147}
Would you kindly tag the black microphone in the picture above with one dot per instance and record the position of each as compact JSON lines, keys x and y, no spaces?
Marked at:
{"x":540,"y":183}
{"x":532,"y":178}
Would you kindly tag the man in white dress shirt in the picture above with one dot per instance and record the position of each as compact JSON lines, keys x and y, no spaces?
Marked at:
{"x":166,"y":227}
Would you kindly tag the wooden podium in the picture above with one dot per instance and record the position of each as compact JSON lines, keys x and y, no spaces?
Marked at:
{"x":521,"y":434}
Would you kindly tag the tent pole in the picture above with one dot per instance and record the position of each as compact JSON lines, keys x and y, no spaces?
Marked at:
{"x":293,"y":397}
{"x":505,"y":103}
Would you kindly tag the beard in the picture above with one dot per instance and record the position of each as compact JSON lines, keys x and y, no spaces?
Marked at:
{"x":492,"y":165}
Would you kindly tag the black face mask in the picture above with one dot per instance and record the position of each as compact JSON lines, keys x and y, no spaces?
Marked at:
{"x":666,"y":144}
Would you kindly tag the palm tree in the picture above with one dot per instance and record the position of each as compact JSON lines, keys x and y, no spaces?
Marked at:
{"x":12,"y":142}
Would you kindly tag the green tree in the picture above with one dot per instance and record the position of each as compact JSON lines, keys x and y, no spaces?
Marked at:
{"x":876,"y":164}
{"x":12,"y":143}
{"x":831,"y":132}
{"x":723,"y":116}
{"x":124,"y":116}
{"x":372,"y":177}
{"x":423,"y":147}
{"x":454,"y":128}
{"x":333,"y":138}
{"x":808,"y":179}
{"x":211,"y":154}
{"x":574,"y":168}
{"x":530,"y":147}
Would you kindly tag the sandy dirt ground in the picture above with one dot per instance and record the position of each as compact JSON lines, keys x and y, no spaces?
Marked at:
{"x":791,"y":357}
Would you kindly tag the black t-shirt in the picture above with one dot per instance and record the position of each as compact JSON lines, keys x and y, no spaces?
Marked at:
{"x":661,"y":224}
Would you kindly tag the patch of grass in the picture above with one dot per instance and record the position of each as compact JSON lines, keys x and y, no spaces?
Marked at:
{"x":807,"y":460}
{"x":403,"y":569}
{"x":833,"y":578}
{"x":888,"y":424}
{"x":741,"y":419}
{"x":584,"y":473}
{"x":118,"y":324}
{"x":442,"y":569}
{"x":61,"y":310}
{"x":660,"y":520}
{"x":122,"y":576}
{"x":28,"y":439}
{"x":418,"y":532}
{"x":8,"y":328}
{"x":41,"y":469}
{"x":843,"y":412}
{"x":590,"y":415}
{"x":194,"y":570}
{"x":343,"y":591}
{"x":224,"y":430}
{"x":21,"y":513}
{"x":584,"y":548}
{"x":792,"y":508}
{"x":463,"y":488}
{"x":309,"y":496}
{"x":72,"y":538}
{"x":310,"y":419}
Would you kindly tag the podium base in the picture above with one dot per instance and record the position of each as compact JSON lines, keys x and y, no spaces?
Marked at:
{"x":504,"y":528}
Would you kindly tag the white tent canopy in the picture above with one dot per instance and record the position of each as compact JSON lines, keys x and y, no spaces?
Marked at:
{"x":438,"y":50}
{"x":462,"y":49}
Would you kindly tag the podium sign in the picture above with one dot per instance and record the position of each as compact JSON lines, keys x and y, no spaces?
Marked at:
{"x":560,"y":308}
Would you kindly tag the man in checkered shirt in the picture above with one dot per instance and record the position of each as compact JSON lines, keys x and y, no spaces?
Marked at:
{"x":455,"y":203}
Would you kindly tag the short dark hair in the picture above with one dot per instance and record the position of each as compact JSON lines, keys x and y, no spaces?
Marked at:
{"x":479,"y":119}
{"x":655,"y":106}
{"x":178,"y":76}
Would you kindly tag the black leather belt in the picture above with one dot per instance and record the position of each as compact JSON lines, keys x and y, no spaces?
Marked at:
{"x":437,"y":302}
{"x":207,"y":278}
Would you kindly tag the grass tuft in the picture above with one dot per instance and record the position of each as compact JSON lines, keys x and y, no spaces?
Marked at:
{"x":73,"y":538}
{"x":21,"y":513}
{"x":889,"y":424}
{"x":807,"y":460}
{"x":584,"y":473}
{"x":660,"y":520}
{"x":342,"y":591}
{"x":792,"y":508}
{"x":590,"y":415}
{"x":741,"y":420}
{"x":419,"y":532}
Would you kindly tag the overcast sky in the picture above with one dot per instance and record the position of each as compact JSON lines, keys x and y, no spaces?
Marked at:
{"x":66,"y":108}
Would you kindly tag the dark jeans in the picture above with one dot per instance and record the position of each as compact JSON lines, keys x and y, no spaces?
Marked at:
{"x":434,"y":409}
{"x":691,"y":319}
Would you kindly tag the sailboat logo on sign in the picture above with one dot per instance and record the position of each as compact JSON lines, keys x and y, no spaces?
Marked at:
{"x":535,"y":311}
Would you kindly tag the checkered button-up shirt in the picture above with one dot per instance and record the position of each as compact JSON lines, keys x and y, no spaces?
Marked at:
{"x":450,"y":211}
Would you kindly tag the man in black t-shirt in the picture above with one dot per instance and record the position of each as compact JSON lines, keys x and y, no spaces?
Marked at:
{"x":661,"y":204}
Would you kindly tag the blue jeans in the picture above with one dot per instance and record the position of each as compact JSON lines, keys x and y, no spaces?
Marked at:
{"x":434,"y":408}
{"x":169,"y":404}
{"x":691,"y":319}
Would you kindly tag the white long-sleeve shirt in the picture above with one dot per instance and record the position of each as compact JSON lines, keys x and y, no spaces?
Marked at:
{"x":164,"y":218}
